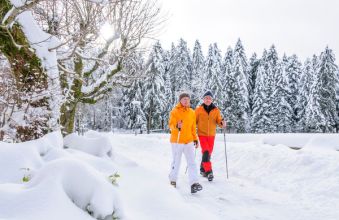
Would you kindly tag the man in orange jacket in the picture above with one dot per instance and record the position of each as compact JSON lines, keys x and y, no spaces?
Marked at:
{"x":207,"y":117}
{"x":184,"y":139}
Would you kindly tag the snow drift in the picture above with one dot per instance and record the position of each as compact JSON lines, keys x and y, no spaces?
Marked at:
{"x":44,"y":181}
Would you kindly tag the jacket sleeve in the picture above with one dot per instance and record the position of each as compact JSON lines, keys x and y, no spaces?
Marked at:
{"x":219,"y":119}
{"x":172,"y":121}
{"x":194,"y":127}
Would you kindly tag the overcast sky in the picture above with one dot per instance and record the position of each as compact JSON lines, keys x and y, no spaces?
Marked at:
{"x":302,"y":27}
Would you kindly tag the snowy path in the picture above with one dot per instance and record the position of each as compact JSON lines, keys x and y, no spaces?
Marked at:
{"x":265,"y":182}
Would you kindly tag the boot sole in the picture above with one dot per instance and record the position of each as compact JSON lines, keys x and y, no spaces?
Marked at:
{"x":195,"y":191}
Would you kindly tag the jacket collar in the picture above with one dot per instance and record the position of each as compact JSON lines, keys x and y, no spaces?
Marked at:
{"x":180,"y":106}
{"x":209,"y":108}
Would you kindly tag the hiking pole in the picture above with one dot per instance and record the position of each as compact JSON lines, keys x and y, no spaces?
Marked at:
{"x":225,"y":152}
{"x":178,"y":140}
{"x":178,"y":135}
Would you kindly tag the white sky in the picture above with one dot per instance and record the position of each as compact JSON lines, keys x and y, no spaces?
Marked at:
{"x":303,"y":27}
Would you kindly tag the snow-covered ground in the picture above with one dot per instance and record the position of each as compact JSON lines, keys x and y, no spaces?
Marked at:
{"x":267,"y":179}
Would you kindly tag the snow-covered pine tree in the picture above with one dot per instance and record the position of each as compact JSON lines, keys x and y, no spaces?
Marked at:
{"x":213,"y":73}
{"x":167,"y":86}
{"x":272,"y":70}
{"x":133,"y":65}
{"x":293,"y":70}
{"x":198,"y":62}
{"x":252,"y":74}
{"x":183,"y":67}
{"x":282,"y":111}
{"x":240,"y":72}
{"x":261,"y":121}
{"x":234,"y":113}
{"x":305,"y":83}
{"x":315,"y":119}
{"x":172,"y":67}
{"x":131,"y":103}
{"x":240,"y":67}
{"x":153,"y":88}
{"x":138,"y":119}
{"x":327,"y":73}
{"x":226,"y":82}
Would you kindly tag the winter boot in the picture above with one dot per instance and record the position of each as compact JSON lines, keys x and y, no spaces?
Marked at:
{"x":202,"y":171}
{"x":174,"y":184}
{"x":210,"y":176}
{"x":195,"y":187}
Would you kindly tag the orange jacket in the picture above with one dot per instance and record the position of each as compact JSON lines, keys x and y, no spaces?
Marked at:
{"x":207,"y":123}
{"x":188,"y":130}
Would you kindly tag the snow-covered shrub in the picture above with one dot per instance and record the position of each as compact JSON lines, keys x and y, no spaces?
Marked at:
{"x":85,"y":186}
{"x":94,"y":144}
{"x":22,"y":159}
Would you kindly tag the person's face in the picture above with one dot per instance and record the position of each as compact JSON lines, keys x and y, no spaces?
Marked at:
{"x":208,"y":100}
{"x":185,"y":101}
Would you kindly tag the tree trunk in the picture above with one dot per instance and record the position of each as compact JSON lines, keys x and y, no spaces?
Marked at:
{"x":32,"y":108}
{"x":150,"y":117}
{"x":67,"y":118}
{"x":69,"y":108}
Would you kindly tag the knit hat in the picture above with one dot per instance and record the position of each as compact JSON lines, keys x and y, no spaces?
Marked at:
{"x":208,"y":93}
{"x":183,"y":95}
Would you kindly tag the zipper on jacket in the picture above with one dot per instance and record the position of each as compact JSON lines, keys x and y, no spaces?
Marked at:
{"x":208,"y":125}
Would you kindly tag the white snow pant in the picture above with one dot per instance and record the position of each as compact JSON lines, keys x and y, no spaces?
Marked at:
{"x":188,"y":150}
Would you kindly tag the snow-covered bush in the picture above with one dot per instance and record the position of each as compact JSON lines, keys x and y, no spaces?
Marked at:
{"x":85,"y":186}
{"x":18,"y":160}
{"x":63,"y":183}
{"x":92,"y":143}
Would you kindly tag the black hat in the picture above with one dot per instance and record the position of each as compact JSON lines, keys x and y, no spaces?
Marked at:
{"x":183,"y":95}
{"x":208,"y":93}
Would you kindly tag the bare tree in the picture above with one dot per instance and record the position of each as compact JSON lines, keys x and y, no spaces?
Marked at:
{"x":91,"y":62}
{"x":70,"y":62}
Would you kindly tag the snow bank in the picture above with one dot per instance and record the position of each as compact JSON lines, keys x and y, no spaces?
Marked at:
{"x":308,"y":177}
{"x":294,"y":140}
{"x":44,"y":201}
{"x":329,"y":142}
{"x":92,"y":143}
{"x":21,"y":159}
{"x":62,"y":183}
{"x":57,"y":191}
{"x":86,"y":187}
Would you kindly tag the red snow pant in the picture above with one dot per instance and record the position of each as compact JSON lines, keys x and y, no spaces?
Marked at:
{"x":207,"y":144}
